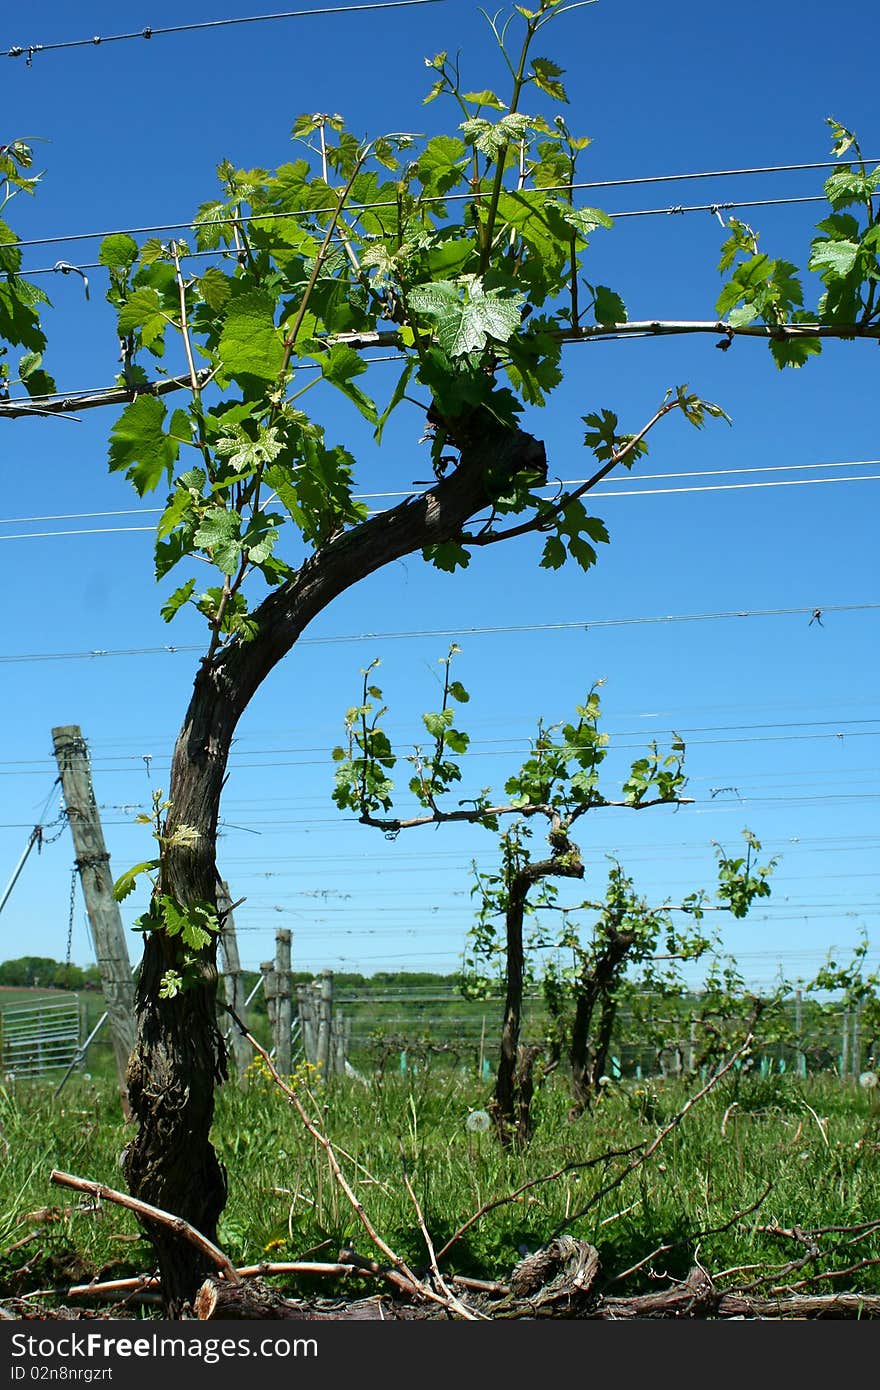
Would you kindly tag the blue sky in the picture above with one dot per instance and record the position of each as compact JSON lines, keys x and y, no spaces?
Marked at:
{"x":779,"y":713}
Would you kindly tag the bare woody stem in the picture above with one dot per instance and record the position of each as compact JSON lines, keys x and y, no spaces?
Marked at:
{"x":477,"y":814}
{"x":444,"y":1288}
{"x":418,"y":1288}
{"x":195,"y":383}
{"x":341,"y":200}
{"x":539,"y":523}
{"x":147,"y":1212}
{"x":574,"y":1166}
{"x":667,"y":1129}
{"x":59,"y":404}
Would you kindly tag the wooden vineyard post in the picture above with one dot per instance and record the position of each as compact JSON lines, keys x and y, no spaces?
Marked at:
{"x":267,"y":970}
{"x":340,"y":1030}
{"x":306,"y":1021}
{"x":799,"y":1031}
{"x":325,"y":1014}
{"x":283,"y":1013}
{"x":93,"y":862}
{"x":232,"y":981}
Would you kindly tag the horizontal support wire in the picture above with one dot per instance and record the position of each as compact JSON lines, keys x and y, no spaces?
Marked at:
{"x":603,"y":493}
{"x":28,"y":51}
{"x":564,"y":482}
{"x":584,"y":625}
{"x":550,"y":190}
{"x":62,"y":403}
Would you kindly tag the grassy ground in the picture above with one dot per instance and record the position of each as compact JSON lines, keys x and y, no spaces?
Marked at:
{"x":756,"y":1153}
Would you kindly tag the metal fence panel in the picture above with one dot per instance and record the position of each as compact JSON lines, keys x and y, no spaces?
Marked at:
{"x":36,"y":1038}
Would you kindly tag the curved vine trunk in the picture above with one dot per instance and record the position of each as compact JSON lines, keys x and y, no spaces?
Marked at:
{"x":510,"y":1121}
{"x":588,"y":1053}
{"x":514,"y":1082}
{"x":179,"y":1057}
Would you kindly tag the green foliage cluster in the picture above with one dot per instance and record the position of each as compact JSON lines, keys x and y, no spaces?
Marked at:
{"x":350,"y":239}
{"x":856,"y":985}
{"x":192,"y":925}
{"x":591,"y":972}
{"x":845,"y":255}
{"x":560,"y":775}
{"x":467,"y":251}
{"x":20,"y":301}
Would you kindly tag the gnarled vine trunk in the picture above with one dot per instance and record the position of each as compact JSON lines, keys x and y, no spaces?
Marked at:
{"x":514,"y":1082}
{"x":179,"y":1057}
{"x":588,"y":1053}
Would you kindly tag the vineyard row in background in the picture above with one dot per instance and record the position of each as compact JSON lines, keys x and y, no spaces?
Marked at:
{"x":355,"y":1024}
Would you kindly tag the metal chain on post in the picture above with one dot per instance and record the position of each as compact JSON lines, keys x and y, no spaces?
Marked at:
{"x":70,"y":920}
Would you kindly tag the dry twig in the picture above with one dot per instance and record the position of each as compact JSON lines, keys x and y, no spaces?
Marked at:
{"x":177,"y":1224}
{"x":417,"y":1287}
{"x":455,"y":1304}
{"x":494,"y":1202}
{"x":651,"y":1149}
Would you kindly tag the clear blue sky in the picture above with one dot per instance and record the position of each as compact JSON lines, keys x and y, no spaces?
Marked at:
{"x":780,"y":715}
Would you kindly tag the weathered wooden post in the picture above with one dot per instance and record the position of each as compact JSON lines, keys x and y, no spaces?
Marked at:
{"x":801,"y":1056}
{"x":283,"y":1014}
{"x":325,"y":1013}
{"x":857,"y":1041}
{"x":232,"y":981}
{"x":93,"y":862}
{"x":340,"y":1030}
{"x":267,"y":970}
{"x":306,"y":1021}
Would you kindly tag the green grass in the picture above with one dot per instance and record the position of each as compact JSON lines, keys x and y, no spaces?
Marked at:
{"x":812,"y":1149}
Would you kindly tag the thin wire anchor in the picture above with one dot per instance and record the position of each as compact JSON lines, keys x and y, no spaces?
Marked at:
{"x":65,"y":267}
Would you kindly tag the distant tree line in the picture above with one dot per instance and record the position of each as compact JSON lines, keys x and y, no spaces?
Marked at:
{"x":33,"y":971}
{"x":43,"y":971}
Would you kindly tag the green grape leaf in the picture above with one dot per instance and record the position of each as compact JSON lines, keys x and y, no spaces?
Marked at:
{"x":484,"y":98}
{"x":142,"y":311}
{"x":833,"y":258}
{"x":339,"y":366}
{"x":545,"y":75}
{"x":219,"y":535}
{"x":127,"y":882}
{"x":35,"y":380}
{"x":608,"y":307}
{"x":177,"y":600}
{"x":250,"y":344}
{"x":553,"y":554}
{"x":448,"y":556}
{"x":794,"y":352}
{"x":215,"y":288}
{"x":466,"y":320}
{"x":140,"y":446}
{"x":439,"y":165}
{"x":118,"y":251}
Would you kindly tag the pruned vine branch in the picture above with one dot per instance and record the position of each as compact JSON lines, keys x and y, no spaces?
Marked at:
{"x":149,"y":1213}
{"x":62,"y":404}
